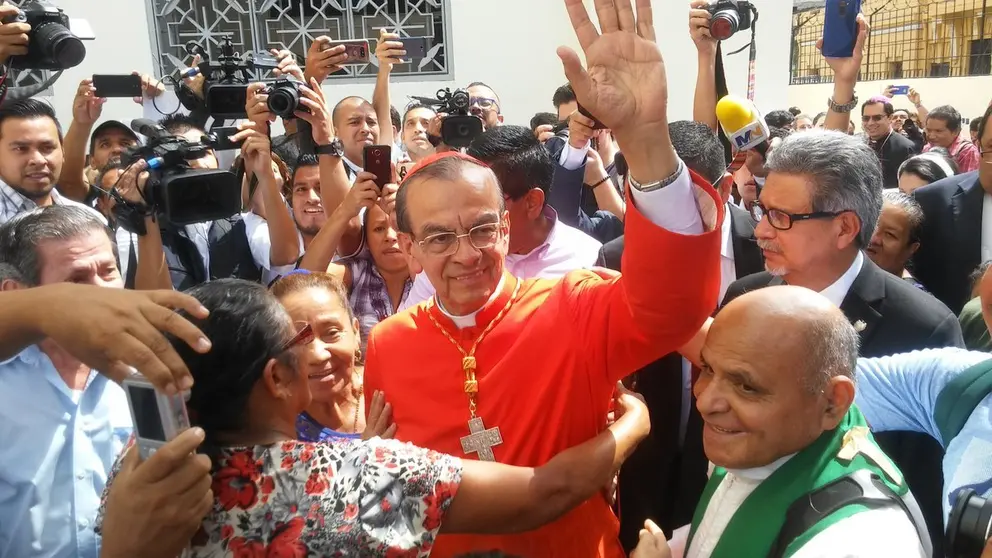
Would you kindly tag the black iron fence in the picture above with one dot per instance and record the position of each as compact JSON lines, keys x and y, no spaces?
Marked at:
{"x":908,"y":39}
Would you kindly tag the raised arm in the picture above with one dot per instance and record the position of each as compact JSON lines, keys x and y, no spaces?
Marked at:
{"x":671,"y":258}
{"x":497,"y":498}
{"x":704,"y":100}
{"x":846,"y":72}
{"x":86,"y":110}
{"x":363,"y":194}
{"x":388,"y":51}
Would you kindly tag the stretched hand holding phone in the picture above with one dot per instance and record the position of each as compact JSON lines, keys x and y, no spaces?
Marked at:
{"x":256,"y":149}
{"x":389,"y":50}
{"x":323,"y":59}
{"x":87,"y":107}
{"x":288,"y":66}
{"x":846,"y":69}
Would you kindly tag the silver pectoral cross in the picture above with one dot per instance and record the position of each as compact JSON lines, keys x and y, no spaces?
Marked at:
{"x":481,"y":440}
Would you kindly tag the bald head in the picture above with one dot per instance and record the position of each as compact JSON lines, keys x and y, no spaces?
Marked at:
{"x":794,"y":325}
{"x":348,"y":105}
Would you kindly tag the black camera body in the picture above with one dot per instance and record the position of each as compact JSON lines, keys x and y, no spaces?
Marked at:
{"x":175,"y":191}
{"x":969,"y":525}
{"x":51,"y":44}
{"x":284,"y":98}
{"x":729,"y":17}
{"x":460,"y":127}
{"x":225,"y":80}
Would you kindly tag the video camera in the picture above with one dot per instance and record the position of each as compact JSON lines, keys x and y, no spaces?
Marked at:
{"x":729,"y":17}
{"x":460,"y":127}
{"x":175,"y":191}
{"x":969,"y":525}
{"x":51,"y":44}
{"x":225,"y":87}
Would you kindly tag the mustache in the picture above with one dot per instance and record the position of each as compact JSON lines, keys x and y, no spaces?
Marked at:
{"x":768,"y":245}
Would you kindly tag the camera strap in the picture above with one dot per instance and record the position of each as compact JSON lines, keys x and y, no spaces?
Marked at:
{"x":752,"y":61}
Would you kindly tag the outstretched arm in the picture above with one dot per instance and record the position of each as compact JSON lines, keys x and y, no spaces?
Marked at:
{"x":497,"y":498}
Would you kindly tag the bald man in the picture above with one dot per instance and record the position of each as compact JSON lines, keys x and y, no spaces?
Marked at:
{"x":357,"y":126}
{"x":776,"y":397}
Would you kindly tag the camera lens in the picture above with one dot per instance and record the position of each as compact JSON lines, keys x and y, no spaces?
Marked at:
{"x":59,"y":44}
{"x":283,"y":101}
{"x":377,"y":153}
{"x":724,"y":24}
{"x":969,"y":525}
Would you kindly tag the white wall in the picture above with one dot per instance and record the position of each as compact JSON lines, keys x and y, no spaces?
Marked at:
{"x":509,"y":44}
{"x":970,"y":95}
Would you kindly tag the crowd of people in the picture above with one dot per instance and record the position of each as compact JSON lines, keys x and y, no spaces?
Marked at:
{"x":602,"y":334}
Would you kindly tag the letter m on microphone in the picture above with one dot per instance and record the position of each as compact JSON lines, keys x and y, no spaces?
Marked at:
{"x":750,"y":136}
{"x":743,"y":140}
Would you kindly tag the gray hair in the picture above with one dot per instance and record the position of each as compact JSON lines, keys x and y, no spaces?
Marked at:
{"x":20,"y":237}
{"x":832,"y":345}
{"x":911,"y":207}
{"x":844,"y":172}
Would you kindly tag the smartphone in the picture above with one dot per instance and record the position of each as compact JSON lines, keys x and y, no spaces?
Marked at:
{"x":415,"y":47}
{"x":840,"y":27}
{"x":220,"y":138}
{"x":357,"y":51}
{"x":108,"y":86}
{"x":379,"y":161}
{"x":157,"y":417}
{"x":899,"y":89}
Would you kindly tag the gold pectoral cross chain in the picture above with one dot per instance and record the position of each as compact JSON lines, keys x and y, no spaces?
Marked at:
{"x":480,"y":440}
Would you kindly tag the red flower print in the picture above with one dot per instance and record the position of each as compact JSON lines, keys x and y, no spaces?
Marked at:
{"x":393,"y":552}
{"x":242,"y":548}
{"x":307,"y":454}
{"x":287,"y":462}
{"x":350,"y":512}
{"x":286,"y":541}
{"x":443,"y":493}
{"x":226,"y":532}
{"x":234,"y":485}
{"x":267,"y":485}
{"x":288,"y":446}
{"x":386,"y":506}
{"x":316,"y":484}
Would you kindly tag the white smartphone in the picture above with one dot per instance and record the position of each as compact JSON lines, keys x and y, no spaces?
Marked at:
{"x":158,"y":418}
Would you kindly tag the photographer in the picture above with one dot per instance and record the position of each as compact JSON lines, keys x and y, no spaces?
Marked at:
{"x":183,"y":256}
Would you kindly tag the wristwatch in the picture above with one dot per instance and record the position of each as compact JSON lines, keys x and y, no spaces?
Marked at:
{"x":842,"y":109}
{"x":334,"y":149}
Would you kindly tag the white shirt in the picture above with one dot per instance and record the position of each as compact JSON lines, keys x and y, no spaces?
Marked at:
{"x":728,"y":271}
{"x":673,"y":207}
{"x":986,"y":227}
{"x":880,"y":533}
{"x":257,"y":230}
{"x":837,"y":292}
{"x":566,"y":249}
{"x":571,"y":158}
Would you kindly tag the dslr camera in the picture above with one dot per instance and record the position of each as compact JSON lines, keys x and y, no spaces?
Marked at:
{"x":460,"y":127}
{"x":51,"y":44}
{"x":177,"y":193}
{"x":225,"y":87}
{"x":284,"y":98}
{"x":729,"y":17}
{"x":969,"y":526}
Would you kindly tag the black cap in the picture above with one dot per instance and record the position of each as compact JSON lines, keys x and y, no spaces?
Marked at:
{"x":111,"y":125}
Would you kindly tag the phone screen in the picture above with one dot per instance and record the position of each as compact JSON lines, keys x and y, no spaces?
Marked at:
{"x":144,"y":405}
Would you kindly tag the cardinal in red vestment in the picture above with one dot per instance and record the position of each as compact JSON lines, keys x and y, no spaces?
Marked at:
{"x":517,"y":371}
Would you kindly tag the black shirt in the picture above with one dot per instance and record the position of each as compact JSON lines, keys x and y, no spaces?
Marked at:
{"x":892,"y":152}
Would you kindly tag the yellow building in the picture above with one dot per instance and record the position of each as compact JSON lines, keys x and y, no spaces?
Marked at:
{"x":909,"y":39}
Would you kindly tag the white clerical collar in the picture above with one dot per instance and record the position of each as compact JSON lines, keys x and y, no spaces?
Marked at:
{"x":760,"y":473}
{"x":837,"y":292}
{"x":468,"y":320}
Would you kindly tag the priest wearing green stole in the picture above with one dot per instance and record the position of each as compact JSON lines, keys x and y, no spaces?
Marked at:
{"x":776,"y":394}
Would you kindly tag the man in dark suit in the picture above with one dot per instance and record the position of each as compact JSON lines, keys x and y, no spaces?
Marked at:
{"x":664,"y":477}
{"x":951,"y":242}
{"x":820,"y":205}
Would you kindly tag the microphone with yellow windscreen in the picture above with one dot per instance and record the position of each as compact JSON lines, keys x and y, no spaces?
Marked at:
{"x":743,"y":124}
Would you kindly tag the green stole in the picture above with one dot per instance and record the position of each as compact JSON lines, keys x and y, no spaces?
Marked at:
{"x":756,"y":524}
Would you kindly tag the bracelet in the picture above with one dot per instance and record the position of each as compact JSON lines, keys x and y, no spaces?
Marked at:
{"x":842,"y":109}
{"x":652,"y":186}
{"x":598,"y":184}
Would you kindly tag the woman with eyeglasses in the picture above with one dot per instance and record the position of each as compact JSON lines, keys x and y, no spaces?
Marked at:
{"x":279,"y":496}
{"x":378,"y":278}
{"x":333,"y":359}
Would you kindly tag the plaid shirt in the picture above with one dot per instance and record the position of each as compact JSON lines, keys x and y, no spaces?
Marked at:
{"x":13,"y":202}
{"x":965,"y":154}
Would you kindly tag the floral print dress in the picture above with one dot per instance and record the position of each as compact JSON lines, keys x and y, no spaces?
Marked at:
{"x":339,"y":499}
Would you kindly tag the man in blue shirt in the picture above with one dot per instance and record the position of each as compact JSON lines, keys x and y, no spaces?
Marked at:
{"x":62,"y":423}
{"x":901,"y":392}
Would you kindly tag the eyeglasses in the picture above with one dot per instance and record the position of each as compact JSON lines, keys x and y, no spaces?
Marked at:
{"x":303,"y":337}
{"x":872,"y":118}
{"x":481,"y":237}
{"x":484,"y":103}
{"x":784,"y":221}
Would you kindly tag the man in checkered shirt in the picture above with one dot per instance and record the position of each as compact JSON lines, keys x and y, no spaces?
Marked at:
{"x":30,"y":158}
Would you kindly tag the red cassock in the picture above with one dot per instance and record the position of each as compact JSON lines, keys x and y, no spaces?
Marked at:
{"x":548,"y":370}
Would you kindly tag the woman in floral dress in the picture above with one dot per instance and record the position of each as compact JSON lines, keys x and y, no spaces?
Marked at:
{"x":279,"y":496}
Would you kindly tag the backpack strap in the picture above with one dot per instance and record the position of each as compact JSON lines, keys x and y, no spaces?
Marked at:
{"x":862,"y":487}
{"x":960,"y":398}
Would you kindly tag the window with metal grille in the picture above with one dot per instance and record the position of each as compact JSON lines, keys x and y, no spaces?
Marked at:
{"x":909,"y":39}
{"x":260,"y":25}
